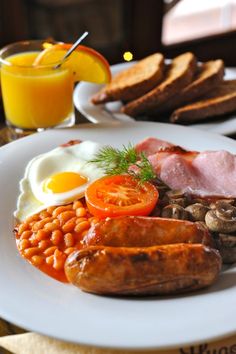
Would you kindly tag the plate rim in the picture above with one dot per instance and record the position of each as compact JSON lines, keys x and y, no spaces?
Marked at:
{"x":40,"y":136}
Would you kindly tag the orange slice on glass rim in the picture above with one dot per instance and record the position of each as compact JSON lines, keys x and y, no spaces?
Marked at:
{"x":86,"y":63}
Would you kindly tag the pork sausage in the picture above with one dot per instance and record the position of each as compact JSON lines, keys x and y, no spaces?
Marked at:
{"x":138,"y":231}
{"x":166,"y":269}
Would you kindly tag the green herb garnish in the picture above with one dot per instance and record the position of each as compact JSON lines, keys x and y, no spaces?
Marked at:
{"x":116,"y":162}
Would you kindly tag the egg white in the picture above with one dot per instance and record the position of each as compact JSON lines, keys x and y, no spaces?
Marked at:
{"x":74,"y":158}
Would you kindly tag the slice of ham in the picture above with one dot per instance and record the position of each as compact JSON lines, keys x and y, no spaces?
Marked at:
{"x":218,"y":172}
{"x":209,"y":173}
{"x":160,"y":157}
{"x":152,"y":145}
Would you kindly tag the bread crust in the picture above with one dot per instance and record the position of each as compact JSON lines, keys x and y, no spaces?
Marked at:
{"x":134,"y":81}
{"x":179,"y":74}
{"x":220,"y":101}
{"x":209,"y":75}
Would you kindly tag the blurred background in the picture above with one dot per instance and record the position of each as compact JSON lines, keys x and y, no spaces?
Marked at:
{"x":206,"y":27}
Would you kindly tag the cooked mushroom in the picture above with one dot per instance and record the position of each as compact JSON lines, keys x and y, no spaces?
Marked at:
{"x":201,"y":201}
{"x":174,"y":194}
{"x":161,"y":191}
{"x":176,"y":197}
{"x":229,"y":201}
{"x":175,"y":211}
{"x":228,"y":241}
{"x":222,"y":218}
{"x":197,"y":211}
{"x":161,"y":186}
{"x":227,"y":247}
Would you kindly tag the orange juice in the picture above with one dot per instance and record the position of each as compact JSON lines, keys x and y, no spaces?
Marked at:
{"x":35,"y":96}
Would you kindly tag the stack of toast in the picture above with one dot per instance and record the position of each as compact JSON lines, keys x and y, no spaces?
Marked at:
{"x":186,"y":90}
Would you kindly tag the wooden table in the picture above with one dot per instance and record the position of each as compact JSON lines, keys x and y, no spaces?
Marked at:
{"x":4,"y":132}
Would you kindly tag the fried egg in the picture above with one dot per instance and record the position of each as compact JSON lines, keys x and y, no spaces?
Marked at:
{"x":57,"y":177}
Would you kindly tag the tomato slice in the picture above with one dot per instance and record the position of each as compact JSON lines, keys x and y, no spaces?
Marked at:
{"x":120,"y":195}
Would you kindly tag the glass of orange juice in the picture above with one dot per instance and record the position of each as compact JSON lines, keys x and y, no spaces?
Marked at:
{"x":35,"y":97}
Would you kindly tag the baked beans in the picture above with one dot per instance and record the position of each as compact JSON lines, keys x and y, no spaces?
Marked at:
{"x":47,"y":238}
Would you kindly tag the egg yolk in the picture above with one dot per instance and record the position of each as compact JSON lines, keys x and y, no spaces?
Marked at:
{"x":63,"y":182}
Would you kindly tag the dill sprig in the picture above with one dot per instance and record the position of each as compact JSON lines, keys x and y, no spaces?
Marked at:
{"x":115,"y":162}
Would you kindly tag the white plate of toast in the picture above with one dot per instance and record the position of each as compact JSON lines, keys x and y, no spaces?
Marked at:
{"x":201,"y":95}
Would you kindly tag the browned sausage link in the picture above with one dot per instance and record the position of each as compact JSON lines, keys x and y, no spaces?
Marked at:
{"x":137,"y":231}
{"x":166,"y":269}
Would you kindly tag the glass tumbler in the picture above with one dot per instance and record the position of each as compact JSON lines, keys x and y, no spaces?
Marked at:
{"x":35,"y":96}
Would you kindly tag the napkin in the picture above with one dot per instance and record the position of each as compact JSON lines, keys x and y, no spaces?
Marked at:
{"x":32,"y":343}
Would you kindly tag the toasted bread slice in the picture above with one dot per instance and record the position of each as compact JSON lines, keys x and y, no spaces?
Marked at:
{"x":220,"y":101}
{"x":208,"y":76}
{"x":134,"y":81}
{"x":180,"y":73}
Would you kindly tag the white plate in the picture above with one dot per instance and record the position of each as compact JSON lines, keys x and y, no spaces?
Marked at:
{"x":105,"y":113}
{"x":39,"y":303}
